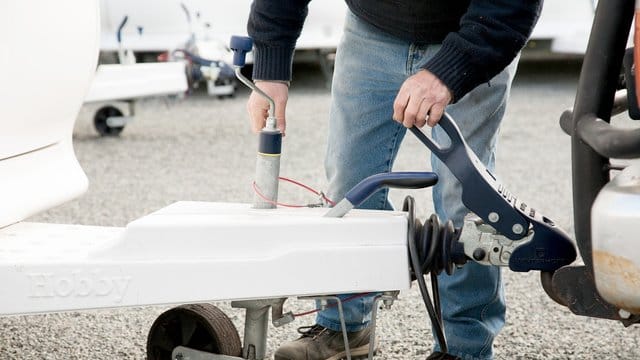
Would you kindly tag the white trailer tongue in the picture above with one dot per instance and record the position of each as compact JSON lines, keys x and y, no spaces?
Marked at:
{"x":199,"y":251}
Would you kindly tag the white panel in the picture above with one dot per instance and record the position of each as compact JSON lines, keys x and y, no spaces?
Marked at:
{"x":49,"y":53}
{"x":193,"y":252}
{"x":113,"y":82}
{"x":38,"y":181}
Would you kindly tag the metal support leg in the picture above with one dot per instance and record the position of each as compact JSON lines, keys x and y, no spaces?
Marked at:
{"x":256,"y":325}
{"x":343,"y":325}
{"x":387,"y":298}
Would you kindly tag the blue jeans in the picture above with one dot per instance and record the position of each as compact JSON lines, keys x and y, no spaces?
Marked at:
{"x":370,"y":67}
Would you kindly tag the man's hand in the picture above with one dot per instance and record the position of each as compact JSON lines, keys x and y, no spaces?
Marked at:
{"x":258,"y":107}
{"x":421,"y":99}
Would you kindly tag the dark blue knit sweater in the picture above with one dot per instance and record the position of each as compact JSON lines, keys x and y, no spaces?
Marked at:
{"x":479,"y":37}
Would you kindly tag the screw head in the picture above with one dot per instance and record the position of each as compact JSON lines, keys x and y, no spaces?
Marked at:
{"x":505,"y":256}
{"x":517,"y":229}
{"x":494,"y":217}
{"x":624,"y":314}
{"x":479,"y":254}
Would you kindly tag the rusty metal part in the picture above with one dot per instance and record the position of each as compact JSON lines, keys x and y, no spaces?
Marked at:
{"x":618,"y":280}
{"x":576,"y":287}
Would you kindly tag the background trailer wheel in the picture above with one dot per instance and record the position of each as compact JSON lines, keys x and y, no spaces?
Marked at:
{"x":201,"y":327}
{"x":104,"y":126}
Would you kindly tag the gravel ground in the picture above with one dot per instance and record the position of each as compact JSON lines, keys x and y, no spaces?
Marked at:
{"x":200,"y":149}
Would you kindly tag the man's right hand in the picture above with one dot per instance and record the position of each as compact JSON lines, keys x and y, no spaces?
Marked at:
{"x":258,"y":107}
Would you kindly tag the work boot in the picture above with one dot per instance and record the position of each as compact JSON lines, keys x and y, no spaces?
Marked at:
{"x":320,"y":343}
{"x":437,"y":355}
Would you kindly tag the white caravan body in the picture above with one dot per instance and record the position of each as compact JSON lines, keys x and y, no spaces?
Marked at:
{"x":163,"y":25}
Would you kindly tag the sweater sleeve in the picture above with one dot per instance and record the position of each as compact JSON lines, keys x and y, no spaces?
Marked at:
{"x":275,"y":26}
{"x":491,"y":34}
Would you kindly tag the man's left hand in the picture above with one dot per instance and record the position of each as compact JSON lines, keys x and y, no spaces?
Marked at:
{"x":421,"y":100}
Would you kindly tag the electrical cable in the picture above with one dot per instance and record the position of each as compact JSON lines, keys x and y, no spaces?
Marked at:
{"x":434,"y":311}
{"x":345,"y":300}
{"x":306,"y":187}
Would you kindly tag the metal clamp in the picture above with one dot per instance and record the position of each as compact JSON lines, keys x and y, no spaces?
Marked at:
{"x":485,"y":246}
{"x":537,"y":243}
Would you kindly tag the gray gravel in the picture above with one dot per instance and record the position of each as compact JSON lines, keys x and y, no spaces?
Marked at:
{"x":200,"y":149}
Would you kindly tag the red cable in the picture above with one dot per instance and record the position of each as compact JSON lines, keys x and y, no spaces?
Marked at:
{"x":347,"y":299}
{"x":257,"y":191}
{"x":325,"y":198}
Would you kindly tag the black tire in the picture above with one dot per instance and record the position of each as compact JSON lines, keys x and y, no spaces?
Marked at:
{"x":100,"y":121}
{"x":201,"y":327}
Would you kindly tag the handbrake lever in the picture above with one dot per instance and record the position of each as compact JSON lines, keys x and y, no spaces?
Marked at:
{"x":539,"y":244}
{"x":481,"y":192}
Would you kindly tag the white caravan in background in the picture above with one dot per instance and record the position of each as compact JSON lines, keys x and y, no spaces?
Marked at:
{"x":195,"y":34}
{"x":164,"y":25}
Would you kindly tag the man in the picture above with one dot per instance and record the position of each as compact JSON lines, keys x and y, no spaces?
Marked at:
{"x":407,"y":61}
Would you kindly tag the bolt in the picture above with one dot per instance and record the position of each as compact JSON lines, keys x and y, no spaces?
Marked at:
{"x":479,"y":254}
{"x":387,"y":303}
{"x":624,"y":314}
{"x":494,"y":217}
{"x":517,"y":229}
{"x":178,"y":356}
{"x":505,"y":256}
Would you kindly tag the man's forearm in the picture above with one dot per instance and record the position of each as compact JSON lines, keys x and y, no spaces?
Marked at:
{"x":490,"y":36}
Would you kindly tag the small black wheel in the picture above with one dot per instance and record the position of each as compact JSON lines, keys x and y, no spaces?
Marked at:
{"x":100,"y":121}
{"x":201,"y":327}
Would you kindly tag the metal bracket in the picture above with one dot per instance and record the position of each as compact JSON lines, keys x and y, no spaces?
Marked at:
{"x":343,"y":325}
{"x":256,"y":324}
{"x":185,"y":353}
{"x":387,"y":298}
{"x":485,"y":246}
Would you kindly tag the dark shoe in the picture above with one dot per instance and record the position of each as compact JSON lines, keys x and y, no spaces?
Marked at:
{"x":320,"y":343}
{"x":437,"y":355}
